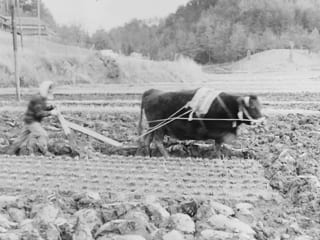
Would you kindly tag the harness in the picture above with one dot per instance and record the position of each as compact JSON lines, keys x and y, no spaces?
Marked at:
{"x":224,"y":106}
{"x":242,"y":111}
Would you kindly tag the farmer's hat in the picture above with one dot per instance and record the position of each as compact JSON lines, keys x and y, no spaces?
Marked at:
{"x":44,"y":89}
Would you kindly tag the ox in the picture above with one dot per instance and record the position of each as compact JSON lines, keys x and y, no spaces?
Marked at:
{"x":233,"y":110}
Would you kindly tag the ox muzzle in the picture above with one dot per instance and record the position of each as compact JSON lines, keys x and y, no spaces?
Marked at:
{"x":259,"y":122}
{"x":254,"y":122}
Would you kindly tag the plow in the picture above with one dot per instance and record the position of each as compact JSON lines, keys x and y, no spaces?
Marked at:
{"x":67,"y":126}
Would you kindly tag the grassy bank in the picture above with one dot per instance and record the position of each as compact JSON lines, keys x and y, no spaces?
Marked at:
{"x":68,"y":65}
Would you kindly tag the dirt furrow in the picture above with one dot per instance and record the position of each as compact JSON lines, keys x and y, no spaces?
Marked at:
{"x":221,"y":179}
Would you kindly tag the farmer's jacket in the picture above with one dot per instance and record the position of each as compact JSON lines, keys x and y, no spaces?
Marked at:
{"x":37,"y":110}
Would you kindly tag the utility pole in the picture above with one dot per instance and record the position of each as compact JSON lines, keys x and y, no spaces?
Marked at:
{"x":39,"y":22}
{"x":17,"y":3}
{"x":7,"y":8}
{"x":15,"y":51}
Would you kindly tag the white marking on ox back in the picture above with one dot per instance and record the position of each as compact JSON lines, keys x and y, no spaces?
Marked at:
{"x":247,"y":101}
{"x":201,"y":101}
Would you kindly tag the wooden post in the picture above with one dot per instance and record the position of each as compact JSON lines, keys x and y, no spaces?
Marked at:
{"x":15,"y":52}
{"x":39,"y":22}
{"x":291,"y":50}
{"x":248,"y":54}
{"x":19,"y":20}
{"x":7,"y":8}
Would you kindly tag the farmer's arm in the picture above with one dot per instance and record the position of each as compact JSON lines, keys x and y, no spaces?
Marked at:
{"x":39,"y":108}
{"x":49,"y":107}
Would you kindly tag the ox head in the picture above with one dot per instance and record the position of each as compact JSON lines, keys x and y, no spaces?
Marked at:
{"x":250,"y":109}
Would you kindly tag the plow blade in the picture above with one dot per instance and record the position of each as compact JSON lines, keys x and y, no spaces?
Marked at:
{"x":93,"y":134}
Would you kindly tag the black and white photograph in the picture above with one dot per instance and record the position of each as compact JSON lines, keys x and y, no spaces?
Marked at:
{"x":159,"y":119}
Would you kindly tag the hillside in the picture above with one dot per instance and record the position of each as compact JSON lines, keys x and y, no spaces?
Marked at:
{"x":278,"y":60}
{"x":275,"y":60}
{"x":218,"y":31}
{"x":68,"y":65}
{"x":39,"y":60}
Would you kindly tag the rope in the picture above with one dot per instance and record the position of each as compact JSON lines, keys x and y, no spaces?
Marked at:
{"x":246,"y":113}
{"x":168,"y":120}
{"x":163,"y":123}
{"x":224,"y":106}
{"x":205,"y":119}
{"x":170,"y":117}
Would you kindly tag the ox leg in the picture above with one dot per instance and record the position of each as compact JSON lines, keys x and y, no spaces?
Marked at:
{"x":147,"y":142}
{"x":162,"y":149}
{"x":218,"y":147}
{"x":139,"y":151}
{"x":158,"y":137}
{"x":229,"y":140}
{"x":144,"y":143}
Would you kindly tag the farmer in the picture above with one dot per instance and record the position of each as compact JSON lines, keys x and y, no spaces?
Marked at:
{"x":33,"y":138}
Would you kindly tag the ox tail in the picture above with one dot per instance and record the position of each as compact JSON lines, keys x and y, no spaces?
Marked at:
{"x":140,"y":120}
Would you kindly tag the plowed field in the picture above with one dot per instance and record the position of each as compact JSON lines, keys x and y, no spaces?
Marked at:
{"x":224,"y":180}
{"x":284,"y":154}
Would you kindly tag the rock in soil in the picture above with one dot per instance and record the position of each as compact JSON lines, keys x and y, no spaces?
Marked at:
{"x":16,"y":214}
{"x":210,"y":234}
{"x":221,"y":222}
{"x":173,"y":235}
{"x":158,"y":215}
{"x":244,"y":212}
{"x":221,"y":209}
{"x":182,"y":222}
